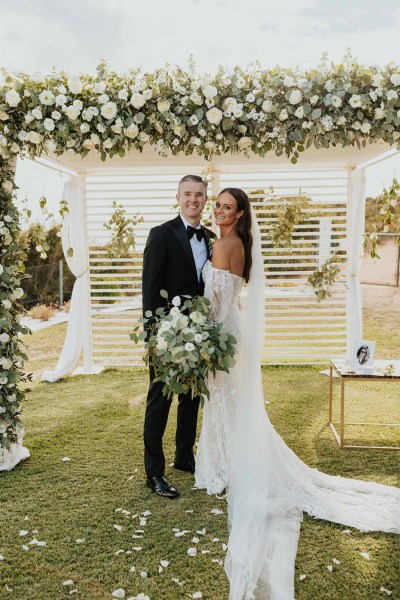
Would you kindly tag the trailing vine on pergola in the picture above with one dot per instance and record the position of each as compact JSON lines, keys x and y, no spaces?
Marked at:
{"x":248,"y":112}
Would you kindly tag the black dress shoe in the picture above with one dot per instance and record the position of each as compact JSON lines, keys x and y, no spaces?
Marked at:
{"x":160,"y":486}
{"x":185,"y":465}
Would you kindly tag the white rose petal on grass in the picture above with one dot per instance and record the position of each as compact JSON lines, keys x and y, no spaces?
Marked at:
{"x":68,"y":582}
{"x":197,"y":595}
{"x":189,"y":510}
{"x":66,"y":459}
{"x":117,"y":527}
{"x":330,"y":568}
{"x":143,"y":574}
{"x":388,"y":592}
{"x":348,"y":531}
{"x":192,"y":552}
{"x":25,"y":547}
{"x":164,"y":563}
{"x":201,"y":531}
{"x":23,"y":532}
{"x":217,"y":511}
{"x":75,"y":591}
{"x":365,"y":555}
{"x":119,"y":593}
{"x":176,"y":580}
{"x":137,"y":548}
{"x":118,"y":552}
{"x":80,"y":540}
{"x":336,"y":561}
{"x":132,"y":569}
{"x":1,"y":557}
{"x":215,"y":539}
{"x":195,"y":540}
{"x":205,"y":551}
{"x":302,"y":577}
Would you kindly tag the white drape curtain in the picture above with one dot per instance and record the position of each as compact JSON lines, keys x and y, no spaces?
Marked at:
{"x":355,"y":230}
{"x":73,"y":235}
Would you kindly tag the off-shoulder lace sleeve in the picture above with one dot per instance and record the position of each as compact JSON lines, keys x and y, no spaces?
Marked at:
{"x":220,"y":291}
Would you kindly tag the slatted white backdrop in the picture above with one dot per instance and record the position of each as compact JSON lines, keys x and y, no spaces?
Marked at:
{"x":299,"y":330}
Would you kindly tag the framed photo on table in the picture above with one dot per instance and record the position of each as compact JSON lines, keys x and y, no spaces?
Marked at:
{"x":363,"y":355}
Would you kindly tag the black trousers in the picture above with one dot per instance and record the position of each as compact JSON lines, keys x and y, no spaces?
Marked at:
{"x":155,"y":422}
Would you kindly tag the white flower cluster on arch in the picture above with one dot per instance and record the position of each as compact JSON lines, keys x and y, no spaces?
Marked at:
{"x":182,"y":112}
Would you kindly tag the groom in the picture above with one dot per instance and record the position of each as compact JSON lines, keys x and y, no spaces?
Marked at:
{"x":173,"y":258}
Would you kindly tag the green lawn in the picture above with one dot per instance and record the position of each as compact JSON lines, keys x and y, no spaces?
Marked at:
{"x":97,"y":423}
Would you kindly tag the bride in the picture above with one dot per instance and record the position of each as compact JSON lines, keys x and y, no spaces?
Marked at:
{"x":268,"y":486}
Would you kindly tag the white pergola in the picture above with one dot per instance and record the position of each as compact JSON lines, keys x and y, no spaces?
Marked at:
{"x":107,"y":295}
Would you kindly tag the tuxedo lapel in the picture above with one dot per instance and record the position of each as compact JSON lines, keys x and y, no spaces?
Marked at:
{"x":179,"y":230}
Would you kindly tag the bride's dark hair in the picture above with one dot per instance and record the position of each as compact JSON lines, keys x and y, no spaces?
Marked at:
{"x":244,"y":226}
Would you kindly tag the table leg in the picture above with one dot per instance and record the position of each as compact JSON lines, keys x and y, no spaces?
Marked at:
{"x":341,"y":412}
{"x":330,"y":394}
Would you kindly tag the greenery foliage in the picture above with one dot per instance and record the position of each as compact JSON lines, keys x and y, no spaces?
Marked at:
{"x":12,"y":356}
{"x":325,"y":276}
{"x":122,"y":230}
{"x":382,"y":216}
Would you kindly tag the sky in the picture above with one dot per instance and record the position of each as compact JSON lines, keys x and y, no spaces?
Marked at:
{"x":74,"y":35}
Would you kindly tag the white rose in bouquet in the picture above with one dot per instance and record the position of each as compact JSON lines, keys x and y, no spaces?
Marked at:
{"x":377,"y":80}
{"x":37,"y":113}
{"x":295,"y":97}
{"x":189,"y":347}
{"x":88,"y":144}
{"x":132,"y":131}
{"x":99,"y":87}
{"x":75,"y":86}
{"x":72,"y":112}
{"x":137,"y":100}
{"x":61,"y":99}
{"x":336,"y":101}
{"x":299,"y":112}
{"x":244,"y":143}
{"x":13,"y":98}
{"x":109,"y":110}
{"x":395,"y":79}
{"x":210,"y":91}
{"x":176,"y":301}
{"x":47,"y":97}
{"x":123,"y":94}
{"x":163,"y":105}
{"x":267,"y":106}
{"x":214,"y":116}
{"x":34,"y":137}
{"x":355,"y":101}
{"x":283,"y":115}
{"x":49,"y":124}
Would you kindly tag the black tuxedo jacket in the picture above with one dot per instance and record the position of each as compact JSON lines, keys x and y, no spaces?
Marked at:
{"x":168,"y":264}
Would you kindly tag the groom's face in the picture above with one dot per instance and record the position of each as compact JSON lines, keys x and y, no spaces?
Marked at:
{"x":191,"y":198}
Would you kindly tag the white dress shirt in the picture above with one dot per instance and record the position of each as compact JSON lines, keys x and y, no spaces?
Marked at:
{"x":199,"y":248}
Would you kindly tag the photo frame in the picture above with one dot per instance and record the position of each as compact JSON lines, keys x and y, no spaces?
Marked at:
{"x":363,"y":355}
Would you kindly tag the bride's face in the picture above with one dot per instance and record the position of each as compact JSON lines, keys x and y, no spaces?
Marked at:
{"x":226,"y":211}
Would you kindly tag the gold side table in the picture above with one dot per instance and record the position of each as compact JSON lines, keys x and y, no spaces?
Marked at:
{"x":345,"y":374}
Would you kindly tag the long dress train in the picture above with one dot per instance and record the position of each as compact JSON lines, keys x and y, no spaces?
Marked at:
{"x":268,"y":486}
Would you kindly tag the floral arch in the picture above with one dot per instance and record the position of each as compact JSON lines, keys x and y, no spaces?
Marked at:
{"x":257,"y":113}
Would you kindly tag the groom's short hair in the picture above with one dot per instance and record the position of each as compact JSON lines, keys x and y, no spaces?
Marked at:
{"x":195,"y":178}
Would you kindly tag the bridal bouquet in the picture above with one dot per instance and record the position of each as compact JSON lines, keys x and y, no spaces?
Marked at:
{"x":184,"y":346}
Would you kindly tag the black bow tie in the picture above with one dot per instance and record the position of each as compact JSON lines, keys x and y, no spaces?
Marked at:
{"x":191,"y":231}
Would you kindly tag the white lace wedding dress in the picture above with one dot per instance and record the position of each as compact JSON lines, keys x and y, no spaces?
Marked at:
{"x":268,"y":486}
